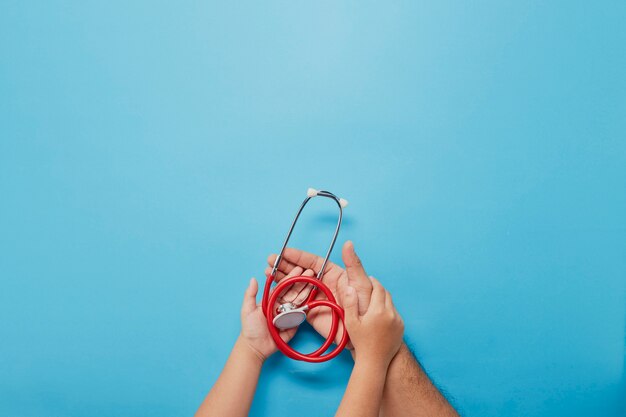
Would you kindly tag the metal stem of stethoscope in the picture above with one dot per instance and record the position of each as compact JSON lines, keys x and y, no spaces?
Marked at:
{"x":289,"y":315}
{"x":341,"y":203}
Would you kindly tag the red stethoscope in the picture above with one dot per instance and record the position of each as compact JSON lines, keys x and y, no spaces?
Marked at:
{"x":289,"y":315}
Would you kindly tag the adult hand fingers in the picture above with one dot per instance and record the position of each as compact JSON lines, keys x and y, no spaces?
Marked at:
{"x":306,"y":260}
{"x":279,"y":275}
{"x":357,"y":276}
{"x":294,"y":272}
{"x":350,"y":303}
{"x":284,"y":268}
{"x":300,"y":290}
{"x":296,"y":257}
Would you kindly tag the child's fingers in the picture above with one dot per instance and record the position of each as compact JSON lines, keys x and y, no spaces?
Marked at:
{"x":388,"y":301}
{"x":249,"y":298}
{"x":390,"y":307}
{"x":378,"y":295}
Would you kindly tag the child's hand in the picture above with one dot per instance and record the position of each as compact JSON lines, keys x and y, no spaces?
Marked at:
{"x":254,"y":325}
{"x":377,"y":334}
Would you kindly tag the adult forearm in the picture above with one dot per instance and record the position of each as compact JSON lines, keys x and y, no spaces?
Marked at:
{"x":409,"y":392}
{"x":365,"y":390}
{"x":232,"y":394}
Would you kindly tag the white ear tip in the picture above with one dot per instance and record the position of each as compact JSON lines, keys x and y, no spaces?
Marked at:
{"x":343,"y":202}
{"x":311,"y":192}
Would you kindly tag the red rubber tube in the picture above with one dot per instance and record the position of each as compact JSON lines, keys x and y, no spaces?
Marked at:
{"x":270,"y":298}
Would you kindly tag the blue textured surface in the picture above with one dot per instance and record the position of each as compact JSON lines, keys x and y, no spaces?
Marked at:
{"x":152,"y":154}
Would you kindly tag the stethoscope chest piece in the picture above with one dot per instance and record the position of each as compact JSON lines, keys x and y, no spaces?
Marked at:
{"x":289,"y":316}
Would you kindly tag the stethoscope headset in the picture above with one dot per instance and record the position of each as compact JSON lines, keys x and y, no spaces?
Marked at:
{"x":289,"y":315}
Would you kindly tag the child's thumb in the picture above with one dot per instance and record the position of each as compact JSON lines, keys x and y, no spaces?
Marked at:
{"x":249,"y":298}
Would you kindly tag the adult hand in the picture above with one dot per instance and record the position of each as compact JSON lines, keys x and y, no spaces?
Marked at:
{"x":353,"y":275}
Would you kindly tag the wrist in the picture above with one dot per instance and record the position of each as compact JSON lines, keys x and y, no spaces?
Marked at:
{"x":403,"y":360}
{"x":402,"y":354}
{"x":249,"y":351}
{"x":371,"y":362}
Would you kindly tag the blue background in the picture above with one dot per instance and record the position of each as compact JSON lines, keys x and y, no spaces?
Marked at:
{"x":152,"y":154}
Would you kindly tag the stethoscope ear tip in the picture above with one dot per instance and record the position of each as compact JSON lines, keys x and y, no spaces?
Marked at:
{"x":312,"y":192}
